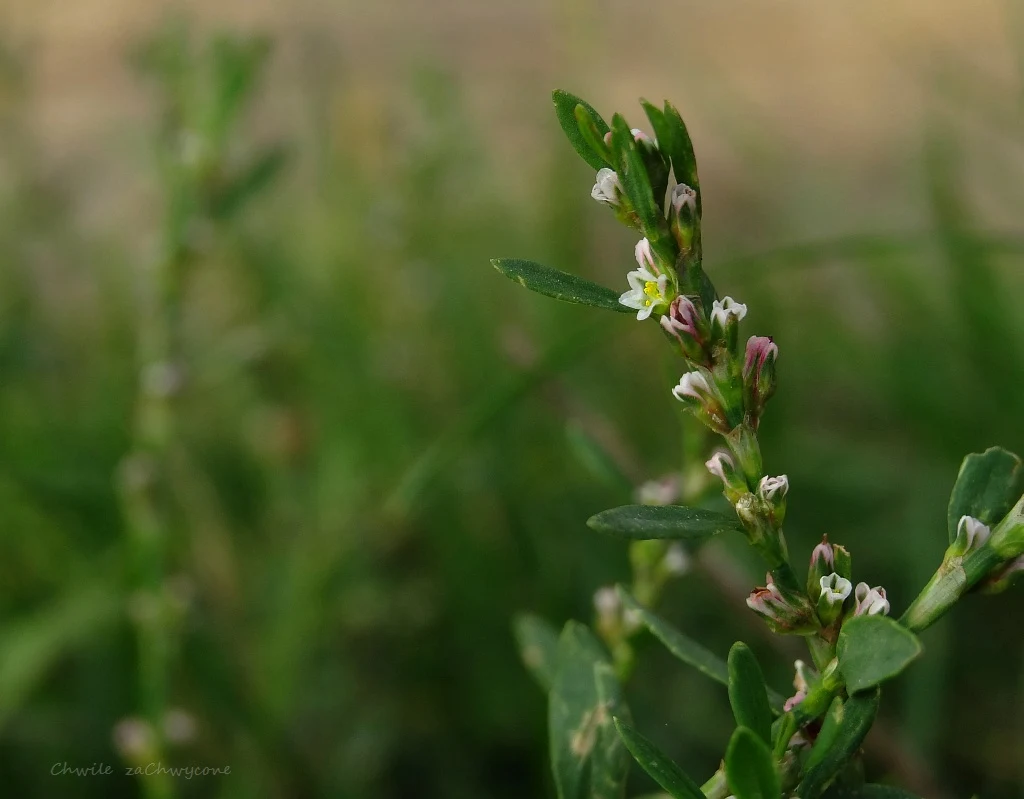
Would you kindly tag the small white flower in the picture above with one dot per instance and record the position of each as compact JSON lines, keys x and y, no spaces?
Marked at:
{"x":647,"y":292}
{"x":692,"y":385}
{"x":835,"y":589}
{"x":770,"y":486}
{"x":870,"y":601}
{"x":632,"y":620}
{"x":721,"y":310}
{"x":801,"y":676}
{"x":659,"y":492}
{"x":607,"y":189}
{"x":721,"y":464}
{"x":977,"y":532}
{"x":683,"y":195}
{"x":676,"y":561}
{"x":606,"y":601}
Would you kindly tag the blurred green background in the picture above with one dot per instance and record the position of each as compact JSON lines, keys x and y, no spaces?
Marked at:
{"x":380,"y":451}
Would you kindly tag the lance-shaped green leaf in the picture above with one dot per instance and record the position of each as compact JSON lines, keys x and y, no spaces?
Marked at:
{"x":872,"y":649}
{"x":637,"y":185}
{"x":679,"y":147}
{"x":588,"y":759}
{"x":230,"y":197}
{"x":987,"y":486}
{"x":858,"y":714}
{"x":686,"y":649}
{"x":749,"y":767}
{"x":565,"y":110}
{"x":644,"y":522}
{"x":656,"y":763}
{"x":748,"y":693}
{"x":560,"y":285}
{"x":593,"y":134}
{"x":826,"y":737}
{"x":538,"y":647}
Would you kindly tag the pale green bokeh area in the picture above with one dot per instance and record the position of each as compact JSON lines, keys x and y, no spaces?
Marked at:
{"x":381,"y":435}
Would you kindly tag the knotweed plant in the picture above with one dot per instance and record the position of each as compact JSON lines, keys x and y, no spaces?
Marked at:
{"x":809,"y":744}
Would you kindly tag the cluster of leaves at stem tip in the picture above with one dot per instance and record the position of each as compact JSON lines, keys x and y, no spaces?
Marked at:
{"x":809,"y":744}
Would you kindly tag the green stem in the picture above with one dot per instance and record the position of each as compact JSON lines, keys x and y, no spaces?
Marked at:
{"x":953,"y":579}
{"x":717,"y":787}
{"x":144,"y":506}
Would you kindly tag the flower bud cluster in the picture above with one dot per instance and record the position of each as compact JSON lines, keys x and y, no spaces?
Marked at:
{"x":785,"y":611}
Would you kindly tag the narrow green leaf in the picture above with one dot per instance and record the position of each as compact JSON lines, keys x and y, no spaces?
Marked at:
{"x":593,"y":135}
{"x":643,"y":522}
{"x":560,"y":285}
{"x":588,"y":759}
{"x":987,"y":486}
{"x":748,"y":693}
{"x":827,"y":736}
{"x":248,"y":183}
{"x":538,"y":647}
{"x":662,"y":770}
{"x":686,"y":649}
{"x":565,"y":110}
{"x":609,"y":768}
{"x":750,"y":768}
{"x":872,"y":649}
{"x":32,"y":647}
{"x":679,"y":148}
{"x":858,"y":714}
{"x":637,"y":185}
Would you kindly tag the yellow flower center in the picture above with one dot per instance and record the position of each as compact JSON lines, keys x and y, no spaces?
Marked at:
{"x":651,"y":290}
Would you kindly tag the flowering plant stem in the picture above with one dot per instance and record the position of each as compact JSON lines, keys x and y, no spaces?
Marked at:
{"x":813,"y":748}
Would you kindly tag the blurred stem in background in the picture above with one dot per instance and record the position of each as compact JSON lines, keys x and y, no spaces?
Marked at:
{"x":202,"y":95}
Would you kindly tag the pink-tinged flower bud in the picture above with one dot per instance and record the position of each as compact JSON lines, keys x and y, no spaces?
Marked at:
{"x":759,"y":373}
{"x":787,"y":612}
{"x":971,"y":534}
{"x":793,"y":701}
{"x":642,"y":138}
{"x":834,"y":592}
{"x":870,"y":601}
{"x":683,"y":216}
{"x":697,"y":390}
{"x":638,"y":136}
{"x":722,"y":466}
{"x":773,"y":491}
{"x":827,"y":559}
{"x":726,"y":315}
{"x":686,"y":324}
{"x":644,"y":256}
{"x":608,"y":189}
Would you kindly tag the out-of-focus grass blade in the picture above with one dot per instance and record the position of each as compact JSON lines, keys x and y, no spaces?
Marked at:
{"x":538,"y":647}
{"x":32,"y":646}
{"x":446,"y":448}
